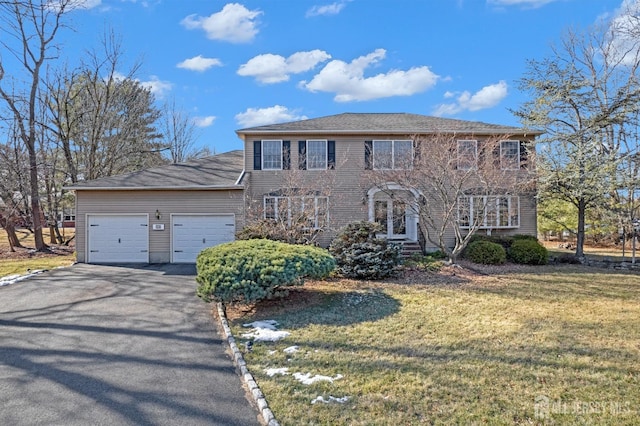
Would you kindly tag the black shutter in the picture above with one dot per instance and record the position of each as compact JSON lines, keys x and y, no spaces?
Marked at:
{"x":416,"y":152}
{"x":331,"y":154}
{"x":368,"y":155}
{"x":257,"y":155}
{"x":524,"y":155}
{"x":497,"y":156}
{"x":286,"y":155}
{"x":302,"y":155}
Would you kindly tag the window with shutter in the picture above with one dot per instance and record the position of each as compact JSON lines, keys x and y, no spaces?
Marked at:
{"x":510,"y":155}
{"x":272,"y":155}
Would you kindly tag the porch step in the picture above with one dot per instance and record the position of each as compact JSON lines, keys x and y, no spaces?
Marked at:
{"x":409,"y":248}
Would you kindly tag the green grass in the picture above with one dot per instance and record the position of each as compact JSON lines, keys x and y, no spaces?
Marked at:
{"x":479,"y":351}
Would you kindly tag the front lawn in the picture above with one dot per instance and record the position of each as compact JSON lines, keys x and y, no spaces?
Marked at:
{"x":553,"y":344}
{"x":25,"y":259}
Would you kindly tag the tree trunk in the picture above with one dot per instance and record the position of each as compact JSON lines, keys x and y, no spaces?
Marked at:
{"x":36,"y":211}
{"x":8,"y":226}
{"x":52,"y":234}
{"x":580,"y":235}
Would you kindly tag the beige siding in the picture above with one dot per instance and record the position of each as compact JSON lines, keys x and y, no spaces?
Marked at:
{"x":166,"y":202}
{"x":348,"y":187}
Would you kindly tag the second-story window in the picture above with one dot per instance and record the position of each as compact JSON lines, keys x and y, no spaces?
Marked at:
{"x":271,"y":155}
{"x":389,"y":154}
{"x":510,"y":155}
{"x":316,"y":154}
{"x":467,"y":154}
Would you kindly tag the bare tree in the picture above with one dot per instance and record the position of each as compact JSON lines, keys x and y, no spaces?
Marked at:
{"x":30,"y":27}
{"x":14,"y":184}
{"x":178,"y":132}
{"x":455,"y":187}
{"x":297,"y":210}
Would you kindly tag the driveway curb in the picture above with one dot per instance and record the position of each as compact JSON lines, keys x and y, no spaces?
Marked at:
{"x":247,"y":377}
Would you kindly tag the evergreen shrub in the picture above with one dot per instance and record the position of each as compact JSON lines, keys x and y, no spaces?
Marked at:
{"x":485,"y":252}
{"x":360,"y":254}
{"x":528,"y":252}
{"x":251,"y":270}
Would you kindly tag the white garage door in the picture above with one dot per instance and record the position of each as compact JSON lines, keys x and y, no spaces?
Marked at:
{"x":192,"y":233}
{"x":118,"y":238}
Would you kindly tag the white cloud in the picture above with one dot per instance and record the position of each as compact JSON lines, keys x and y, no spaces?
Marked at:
{"x":623,"y":25}
{"x":526,"y":3}
{"x":269,"y":68}
{"x":487,"y":97}
{"x":204,"y":121}
{"x":272,"y":115}
{"x":234,"y":23}
{"x":198,"y":63}
{"x":348,"y":82}
{"x":158,"y":87}
{"x":329,"y":9}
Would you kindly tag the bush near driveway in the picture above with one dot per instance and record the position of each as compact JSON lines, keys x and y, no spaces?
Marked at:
{"x":252,"y":270}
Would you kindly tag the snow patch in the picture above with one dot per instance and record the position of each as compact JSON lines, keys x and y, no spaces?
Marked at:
{"x":291,"y":349}
{"x":273,"y":371}
{"x":265,"y":331}
{"x":306,"y":379}
{"x":331,"y":399}
{"x":12,"y":279}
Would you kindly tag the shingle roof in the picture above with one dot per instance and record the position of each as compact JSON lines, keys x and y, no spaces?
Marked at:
{"x":218,"y":171}
{"x":401,"y":123}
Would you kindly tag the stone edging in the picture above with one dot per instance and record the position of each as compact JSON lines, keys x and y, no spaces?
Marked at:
{"x":246,"y":376}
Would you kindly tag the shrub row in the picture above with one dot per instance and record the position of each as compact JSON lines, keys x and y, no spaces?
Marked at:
{"x":523,"y":249}
{"x":252,"y":270}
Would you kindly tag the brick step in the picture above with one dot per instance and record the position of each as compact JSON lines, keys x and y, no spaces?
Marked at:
{"x":409,"y":248}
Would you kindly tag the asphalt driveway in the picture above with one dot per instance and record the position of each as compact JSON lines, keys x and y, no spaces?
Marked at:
{"x":109,"y":345}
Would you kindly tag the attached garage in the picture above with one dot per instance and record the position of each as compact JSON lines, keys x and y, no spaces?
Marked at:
{"x":160,"y":215}
{"x":117,"y":238}
{"x":192,"y":233}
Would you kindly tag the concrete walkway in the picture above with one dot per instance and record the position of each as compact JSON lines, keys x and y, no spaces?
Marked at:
{"x":109,"y":345}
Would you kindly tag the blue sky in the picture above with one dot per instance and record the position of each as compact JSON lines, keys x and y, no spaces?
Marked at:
{"x":232,"y":65}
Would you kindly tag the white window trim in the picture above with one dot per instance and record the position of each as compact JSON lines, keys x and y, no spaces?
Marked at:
{"x":508,"y":166}
{"x":326,"y":154}
{"x":475,"y":154}
{"x":316,"y":210}
{"x":262,"y":154}
{"x":496,"y":198}
{"x":393,"y":152}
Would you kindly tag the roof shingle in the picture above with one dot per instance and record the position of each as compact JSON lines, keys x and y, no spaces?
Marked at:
{"x":218,"y":171}
{"x":401,"y":123}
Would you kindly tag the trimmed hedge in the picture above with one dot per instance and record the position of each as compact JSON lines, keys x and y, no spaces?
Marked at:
{"x":485,"y":252}
{"x":528,"y":252}
{"x":251,"y":270}
{"x":359,"y":254}
{"x":504,"y":240}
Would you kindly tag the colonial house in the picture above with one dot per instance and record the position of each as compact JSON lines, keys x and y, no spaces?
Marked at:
{"x":322,"y":170}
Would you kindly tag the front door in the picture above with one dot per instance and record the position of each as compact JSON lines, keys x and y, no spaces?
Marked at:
{"x":391,"y":215}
